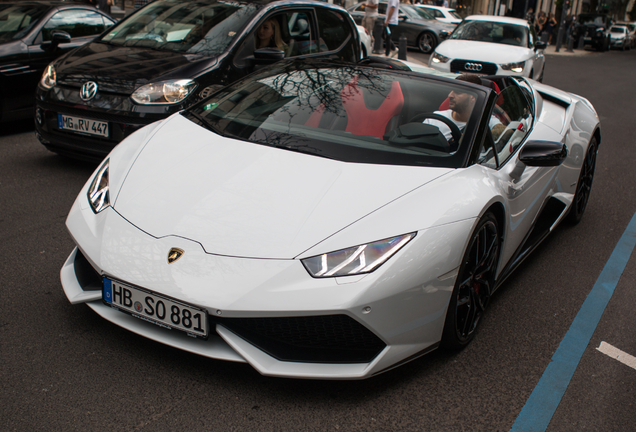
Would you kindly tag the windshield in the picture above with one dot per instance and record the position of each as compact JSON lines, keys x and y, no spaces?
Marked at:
{"x":347,"y":113}
{"x":416,"y":12}
{"x":484,"y":31}
{"x":597,"y":20}
{"x":17,"y":20}
{"x":454,"y":14}
{"x":190,"y":27}
{"x":620,"y":30}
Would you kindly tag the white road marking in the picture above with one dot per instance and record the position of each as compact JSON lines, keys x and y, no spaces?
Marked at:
{"x":617,"y":354}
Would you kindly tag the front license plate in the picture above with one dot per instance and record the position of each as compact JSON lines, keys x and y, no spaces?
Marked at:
{"x":78,"y":124}
{"x":154,"y":308}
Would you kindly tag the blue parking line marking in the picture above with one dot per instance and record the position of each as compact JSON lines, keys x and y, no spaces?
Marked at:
{"x":546,"y":396}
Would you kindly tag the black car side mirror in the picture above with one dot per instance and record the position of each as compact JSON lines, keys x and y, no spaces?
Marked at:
{"x":265,"y":56}
{"x":540,"y":45}
{"x":269,"y":54}
{"x":60,"y":37}
{"x":543,"y":153}
{"x":403,"y":17}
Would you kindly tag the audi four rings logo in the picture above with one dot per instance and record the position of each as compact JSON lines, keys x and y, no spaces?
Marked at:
{"x":475,"y":67}
{"x":88,"y":91}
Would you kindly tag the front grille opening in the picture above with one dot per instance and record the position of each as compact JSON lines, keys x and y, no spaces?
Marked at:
{"x":486,"y":68}
{"x":88,"y":278}
{"x":316,"y":339}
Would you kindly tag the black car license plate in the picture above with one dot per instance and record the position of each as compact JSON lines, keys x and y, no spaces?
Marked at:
{"x":82,"y":125}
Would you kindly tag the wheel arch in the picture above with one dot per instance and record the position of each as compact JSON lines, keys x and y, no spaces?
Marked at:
{"x":497,"y":209}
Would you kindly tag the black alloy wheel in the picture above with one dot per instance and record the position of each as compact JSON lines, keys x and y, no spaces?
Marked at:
{"x":426,"y":43}
{"x":474,"y":285}
{"x":584,"y":185}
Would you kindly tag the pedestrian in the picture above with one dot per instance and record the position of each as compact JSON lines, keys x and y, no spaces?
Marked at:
{"x":530,"y":16}
{"x":550,"y":26}
{"x":390,"y":27}
{"x":540,"y":23}
{"x":104,"y":5}
{"x":370,"y":14}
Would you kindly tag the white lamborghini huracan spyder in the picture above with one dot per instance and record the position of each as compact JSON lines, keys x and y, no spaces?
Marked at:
{"x":324,"y":220}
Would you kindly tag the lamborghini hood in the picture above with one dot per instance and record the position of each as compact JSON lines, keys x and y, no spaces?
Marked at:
{"x":248,"y":200}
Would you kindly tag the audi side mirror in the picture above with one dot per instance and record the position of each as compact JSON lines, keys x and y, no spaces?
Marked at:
{"x":540,"y":45}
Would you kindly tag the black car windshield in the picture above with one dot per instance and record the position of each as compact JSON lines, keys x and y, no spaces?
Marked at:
{"x":592,"y":20}
{"x":16,"y":20}
{"x":495,"y":32}
{"x":190,"y":27}
{"x":347,"y":113}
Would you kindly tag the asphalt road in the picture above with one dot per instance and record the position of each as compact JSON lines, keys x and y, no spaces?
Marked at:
{"x":62,"y":368}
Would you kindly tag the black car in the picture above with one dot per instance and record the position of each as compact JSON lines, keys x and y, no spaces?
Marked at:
{"x":33,"y":34}
{"x":421,"y":29}
{"x":594,"y":28}
{"x":169,"y":55}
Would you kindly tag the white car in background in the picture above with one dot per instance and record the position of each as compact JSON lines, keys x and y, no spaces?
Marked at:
{"x":442,"y":14}
{"x":491,"y":45}
{"x":366,"y":47}
{"x":620,"y":37}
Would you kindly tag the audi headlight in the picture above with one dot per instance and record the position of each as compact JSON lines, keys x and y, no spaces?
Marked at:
{"x":49,"y":78}
{"x":163,"y":92}
{"x":98,"y":192}
{"x":438,"y":58}
{"x":356,"y":260}
{"x":515,"y":67}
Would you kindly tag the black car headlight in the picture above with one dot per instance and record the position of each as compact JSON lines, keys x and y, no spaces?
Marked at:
{"x":98,"y":192}
{"x":49,"y":78}
{"x":438,"y":58}
{"x":514,"y":67}
{"x":355,"y":260}
{"x":164,"y":92}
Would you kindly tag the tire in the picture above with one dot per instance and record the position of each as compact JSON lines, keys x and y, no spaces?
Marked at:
{"x":583,"y":185}
{"x":474,"y":284}
{"x":427,"y":42}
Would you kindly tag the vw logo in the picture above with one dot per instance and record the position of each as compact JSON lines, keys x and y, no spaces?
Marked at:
{"x":474,"y":67}
{"x":88,"y":91}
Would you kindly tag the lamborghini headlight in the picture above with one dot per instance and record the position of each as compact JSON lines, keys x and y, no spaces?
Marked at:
{"x":356,"y":260}
{"x":98,"y":192}
{"x":515,"y":67}
{"x":438,"y":58}
{"x":164,"y":92}
{"x":49,"y":78}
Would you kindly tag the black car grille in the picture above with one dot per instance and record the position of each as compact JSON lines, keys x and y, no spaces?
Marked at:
{"x":471,"y":66}
{"x":313,"y":339}
{"x":111,"y":85}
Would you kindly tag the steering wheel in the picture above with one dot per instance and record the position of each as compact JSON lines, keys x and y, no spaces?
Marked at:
{"x":455,"y":132}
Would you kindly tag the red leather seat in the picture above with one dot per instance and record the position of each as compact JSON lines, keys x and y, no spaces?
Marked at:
{"x":366,"y":121}
{"x":359,"y":102}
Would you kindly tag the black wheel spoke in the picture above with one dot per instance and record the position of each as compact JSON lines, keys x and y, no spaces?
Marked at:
{"x":476,"y":280}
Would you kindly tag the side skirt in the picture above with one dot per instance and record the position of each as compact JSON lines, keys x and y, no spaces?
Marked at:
{"x":552,"y":211}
